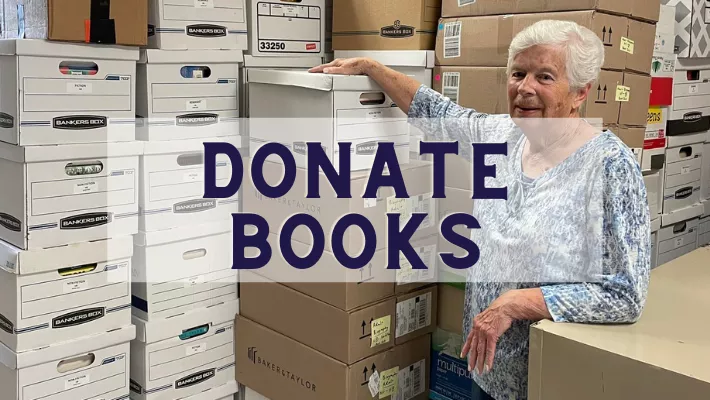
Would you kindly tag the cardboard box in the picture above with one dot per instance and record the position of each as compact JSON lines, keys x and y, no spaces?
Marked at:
{"x":328,"y":209}
{"x":287,"y":29}
{"x":480,"y":88}
{"x":450,"y":378}
{"x":654,"y":144}
{"x":172,"y":185}
{"x":602,"y":102}
{"x":188,"y":94}
{"x":691,"y":30}
{"x":484,"y":41}
{"x":665,"y":30}
{"x":632,"y":137}
{"x":645,"y":10}
{"x":653,"y":190}
{"x":58,"y":195}
{"x":59,"y":294}
{"x":87,"y":368}
{"x":328,"y":109}
{"x":198,"y":25}
{"x":637,"y":89}
{"x":640,"y":54}
{"x":280,"y":367}
{"x":61,"y":93}
{"x":372,"y":25}
{"x":470,"y":8}
{"x":329,"y":26}
{"x":683,"y":177}
{"x":182,"y":269}
{"x":662,"y":355}
{"x":451,"y":307}
{"x":347,"y":336}
{"x":655,"y":227}
{"x":228,"y":391}
{"x":679,"y":233}
{"x":661,"y":92}
{"x":111,"y":22}
{"x":183,"y":356}
{"x":417,"y":64}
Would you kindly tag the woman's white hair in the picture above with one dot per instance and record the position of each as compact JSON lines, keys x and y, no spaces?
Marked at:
{"x":584,"y":50}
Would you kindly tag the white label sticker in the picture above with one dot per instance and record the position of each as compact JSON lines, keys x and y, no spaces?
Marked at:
{"x":374,"y":384}
{"x":77,"y":381}
{"x":407,"y":274}
{"x":411,"y":381}
{"x":369,"y":203}
{"x":373,"y":115}
{"x":450,"y":87}
{"x":204,"y":3}
{"x":86,"y":187}
{"x":76,"y":285}
{"x":191,"y":105}
{"x":679,"y":242}
{"x":195,"y":280}
{"x":196,"y":349}
{"x":466,"y":2}
{"x":191,"y":177}
{"x":413,"y":314}
{"x":452,"y":39}
{"x":692,"y":89}
{"x":421,"y":204}
{"x":79,"y":87}
{"x":685,"y":170}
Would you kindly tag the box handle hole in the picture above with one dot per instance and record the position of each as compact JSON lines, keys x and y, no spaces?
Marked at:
{"x":369,"y":99}
{"x":184,"y":160}
{"x":680,"y":227}
{"x":81,"y":269}
{"x":78,"y":68}
{"x":72,"y":364}
{"x":195,"y":72}
{"x":194,"y":332}
{"x":686,"y":151}
{"x":84,"y":168}
{"x":693,"y":75}
{"x":193,"y":254}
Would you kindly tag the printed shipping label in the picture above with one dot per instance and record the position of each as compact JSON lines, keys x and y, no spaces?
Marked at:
{"x":451,"y":85}
{"x":374,"y":384}
{"x":452,"y":39}
{"x":195,"y":349}
{"x":76,"y":285}
{"x":413,"y":314}
{"x":86,"y":187}
{"x":407,"y":274}
{"x":623,"y":93}
{"x":411,"y":381}
{"x":388,"y":382}
{"x":77,"y":381}
{"x":191,"y":105}
{"x":380,"y":330}
{"x":627,"y":45}
{"x":204,"y":3}
{"x":79,"y":87}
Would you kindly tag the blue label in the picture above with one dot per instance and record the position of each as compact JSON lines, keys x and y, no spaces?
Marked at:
{"x":441,"y":25}
{"x":450,"y":379}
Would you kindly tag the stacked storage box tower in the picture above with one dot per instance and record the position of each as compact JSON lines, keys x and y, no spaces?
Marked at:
{"x":185,"y":292}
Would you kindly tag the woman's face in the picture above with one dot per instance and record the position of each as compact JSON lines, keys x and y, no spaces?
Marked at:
{"x":538,"y":86}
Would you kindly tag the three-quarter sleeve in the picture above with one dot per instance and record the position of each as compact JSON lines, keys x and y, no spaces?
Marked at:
{"x":618,"y":296}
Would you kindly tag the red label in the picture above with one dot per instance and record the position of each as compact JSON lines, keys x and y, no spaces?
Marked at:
{"x":311,"y":46}
{"x":654,"y":144}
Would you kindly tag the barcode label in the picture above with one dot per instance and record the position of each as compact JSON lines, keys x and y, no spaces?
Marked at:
{"x":413,"y":314}
{"x":410,"y":381}
{"x":424,"y":203}
{"x":452,"y":39}
{"x":450,"y":88}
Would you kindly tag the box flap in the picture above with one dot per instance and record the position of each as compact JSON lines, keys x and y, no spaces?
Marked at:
{"x":60,"y":351}
{"x":393,"y":58}
{"x":185,"y":146}
{"x":26,"y":262}
{"x":155,"y":56}
{"x":33,"y":47}
{"x":655,"y":225}
{"x":309,"y":80}
{"x":281,"y":62}
{"x":182,"y":233}
{"x":32,"y":154}
{"x":155,"y":331}
{"x":684,"y":214}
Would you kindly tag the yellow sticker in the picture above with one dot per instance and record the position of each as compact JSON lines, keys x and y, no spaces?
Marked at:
{"x":623,"y":93}
{"x":655,"y":116}
{"x":627,"y":45}
{"x":388,"y":382}
{"x":395,"y":205}
{"x":380,"y":330}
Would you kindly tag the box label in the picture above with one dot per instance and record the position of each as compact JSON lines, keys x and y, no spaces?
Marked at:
{"x":205,"y":30}
{"x":195,"y":280}
{"x":204,"y":3}
{"x":421,"y":204}
{"x":373,"y":115}
{"x":411,"y":381}
{"x":374,"y":384}
{"x":192,"y":105}
{"x":627,"y":45}
{"x":76,"y":285}
{"x":11,"y":223}
{"x":194,"y":379}
{"x":77,"y":381}
{"x":407,"y":274}
{"x":79,"y":87}
{"x":452,"y":39}
{"x":466,"y":2}
{"x":195,"y":349}
{"x":655,"y":116}
{"x":623,"y":93}
{"x":7,"y":121}
{"x":78,"y":318}
{"x":413,"y":314}
{"x":693,"y":89}
{"x":397,"y":30}
{"x":685,"y":170}
{"x":450,"y":87}
{"x":380,"y":330}
{"x":80,"y":122}
{"x":193,"y":206}
{"x":388,"y":382}
{"x":191,"y":177}
{"x":85,"y":221}
{"x":86,"y":187}
{"x":679,"y":242}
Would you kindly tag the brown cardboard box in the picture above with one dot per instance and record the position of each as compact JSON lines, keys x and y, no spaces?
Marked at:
{"x":329,"y":209}
{"x":646,"y":10}
{"x":390,"y":25}
{"x":601,"y":102}
{"x":459,"y":174}
{"x":484,"y":41}
{"x":632,"y":137}
{"x":279,"y":367}
{"x":644,"y":36}
{"x":343,"y":335}
{"x":480,"y":88}
{"x":122,"y":22}
{"x":451,"y":302}
{"x":469,"y":8}
{"x":634,"y":112}
{"x":664,"y":355}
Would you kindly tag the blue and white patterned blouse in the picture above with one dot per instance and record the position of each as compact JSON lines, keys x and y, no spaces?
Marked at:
{"x":585,"y":220}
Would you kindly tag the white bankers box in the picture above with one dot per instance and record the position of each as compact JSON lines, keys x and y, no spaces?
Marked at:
{"x":188,"y":94}
{"x":704,"y":232}
{"x":61,"y":93}
{"x":287,"y":28}
{"x":182,"y":356}
{"x":705,"y":185}
{"x":197,"y":24}
{"x":182,"y":269}
{"x":94,"y":367}
{"x":682,"y":181}
{"x":58,"y":195}
{"x":678,"y":234}
{"x":227,"y":391}
{"x":418,"y":64}
{"x":62,"y":293}
{"x":655,"y":227}
{"x":172,"y":185}
{"x":295,"y":107}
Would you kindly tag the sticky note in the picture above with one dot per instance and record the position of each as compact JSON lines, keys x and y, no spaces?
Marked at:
{"x":395,"y":205}
{"x":627,"y":45}
{"x":623,"y":93}
{"x":380,"y":331}
{"x":388,"y":382}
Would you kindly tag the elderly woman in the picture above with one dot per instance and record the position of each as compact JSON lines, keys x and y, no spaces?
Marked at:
{"x":572,"y":243}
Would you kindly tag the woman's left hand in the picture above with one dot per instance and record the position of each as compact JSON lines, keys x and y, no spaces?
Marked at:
{"x":487,"y":328}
